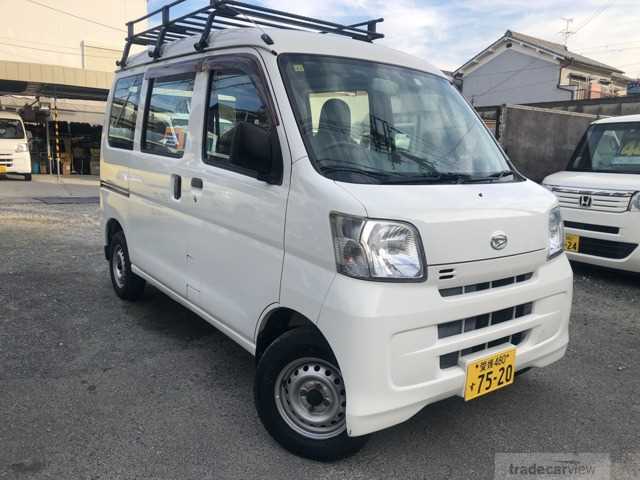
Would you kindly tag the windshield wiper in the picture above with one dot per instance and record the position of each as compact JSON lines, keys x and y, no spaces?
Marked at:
{"x":492,"y":177}
{"x":400,"y":179}
{"x":447,"y":177}
{"x":380,"y":176}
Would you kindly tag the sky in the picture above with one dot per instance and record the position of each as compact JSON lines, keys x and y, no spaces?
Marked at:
{"x":448,"y":33}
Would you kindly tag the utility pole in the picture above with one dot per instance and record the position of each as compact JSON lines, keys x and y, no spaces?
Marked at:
{"x":566,"y":33}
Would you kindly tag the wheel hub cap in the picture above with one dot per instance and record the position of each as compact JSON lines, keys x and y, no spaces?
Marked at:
{"x":118,"y":266}
{"x":310,"y":397}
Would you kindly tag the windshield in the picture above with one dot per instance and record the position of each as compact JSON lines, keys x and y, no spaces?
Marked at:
{"x":11,"y":129}
{"x":609,"y":148}
{"x":366,"y":122}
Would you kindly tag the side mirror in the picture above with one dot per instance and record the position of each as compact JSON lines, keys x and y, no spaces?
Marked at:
{"x":29,"y":136}
{"x":257,"y":149}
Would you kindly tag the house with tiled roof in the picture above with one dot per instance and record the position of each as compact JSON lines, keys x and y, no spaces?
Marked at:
{"x":520,"y":69}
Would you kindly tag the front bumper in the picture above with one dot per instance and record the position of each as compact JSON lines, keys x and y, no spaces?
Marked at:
{"x":627,"y":225}
{"x":386,"y":338}
{"x":16,"y":163}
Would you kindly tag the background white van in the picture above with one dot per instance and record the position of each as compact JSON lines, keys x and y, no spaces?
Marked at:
{"x":600,"y":195}
{"x":14,"y":146}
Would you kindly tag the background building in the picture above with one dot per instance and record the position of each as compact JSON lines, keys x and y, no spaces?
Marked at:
{"x":56,"y":66}
{"x":520,"y":69}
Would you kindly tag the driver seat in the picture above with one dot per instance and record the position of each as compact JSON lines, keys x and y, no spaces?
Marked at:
{"x":335,"y":123}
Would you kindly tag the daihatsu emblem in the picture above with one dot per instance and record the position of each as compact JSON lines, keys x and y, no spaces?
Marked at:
{"x":499,"y":240}
{"x":585,"y":201}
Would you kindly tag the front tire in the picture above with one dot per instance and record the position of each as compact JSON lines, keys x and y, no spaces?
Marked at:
{"x":27,"y":177}
{"x":127,"y":285}
{"x":300,"y":397}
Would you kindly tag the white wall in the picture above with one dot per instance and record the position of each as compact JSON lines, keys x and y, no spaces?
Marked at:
{"x":515,"y":77}
{"x":32,"y":33}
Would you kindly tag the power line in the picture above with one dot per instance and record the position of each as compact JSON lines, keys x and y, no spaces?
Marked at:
{"x":43,"y":5}
{"x":48,"y":44}
{"x":607,"y":45}
{"x":607,"y":50}
{"x":545,"y":67}
{"x":595,"y":15}
{"x":502,"y":82}
{"x":58,"y":51}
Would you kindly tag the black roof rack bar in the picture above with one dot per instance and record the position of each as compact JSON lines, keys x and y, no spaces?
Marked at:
{"x":251,"y":9}
{"x":222,"y":14}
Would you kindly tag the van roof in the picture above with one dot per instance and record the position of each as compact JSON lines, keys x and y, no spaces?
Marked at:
{"x":286,"y":41}
{"x":11,"y":115}
{"x":621,"y":119}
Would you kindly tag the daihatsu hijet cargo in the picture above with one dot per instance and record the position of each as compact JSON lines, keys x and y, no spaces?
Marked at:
{"x":599,"y":194}
{"x":14,"y":146}
{"x":337,"y":209}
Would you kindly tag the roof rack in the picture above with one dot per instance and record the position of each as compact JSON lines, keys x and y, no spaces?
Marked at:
{"x":224,"y":14}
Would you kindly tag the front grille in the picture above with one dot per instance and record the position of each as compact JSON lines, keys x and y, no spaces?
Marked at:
{"x":606,"y":248}
{"x":603,"y":201}
{"x":451,"y":359}
{"x":477,"y":322}
{"x":477,"y":287}
{"x":591,"y":227}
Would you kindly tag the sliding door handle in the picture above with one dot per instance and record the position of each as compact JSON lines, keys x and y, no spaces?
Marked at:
{"x":197,"y":183}
{"x":176,"y":186}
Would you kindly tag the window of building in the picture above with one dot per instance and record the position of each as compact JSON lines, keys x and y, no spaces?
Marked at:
{"x":234,"y":98}
{"x":167,"y":117}
{"x":124,"y":112}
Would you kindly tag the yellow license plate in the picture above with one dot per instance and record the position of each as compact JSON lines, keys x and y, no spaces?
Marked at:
{"x":3,"y":169}
{"x":572,"y":242}
{"x":490,"y":373}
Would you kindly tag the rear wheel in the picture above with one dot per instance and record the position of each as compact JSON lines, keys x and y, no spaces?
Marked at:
{"x":301,"y":399}
{"x":127,"y":285}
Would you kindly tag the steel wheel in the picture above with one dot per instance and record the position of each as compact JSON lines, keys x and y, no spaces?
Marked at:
{"x":118,"y":265}
{"x":310,"y":397}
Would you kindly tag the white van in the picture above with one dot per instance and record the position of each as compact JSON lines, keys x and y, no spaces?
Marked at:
{"x":337,"y":209}
{"x":600,"y":195}
{"x":14,"y":146}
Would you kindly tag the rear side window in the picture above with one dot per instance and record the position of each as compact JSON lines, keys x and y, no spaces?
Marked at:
{"x":167,"y":117}
{"x":124,"y":112}
{"x":233,"y":98}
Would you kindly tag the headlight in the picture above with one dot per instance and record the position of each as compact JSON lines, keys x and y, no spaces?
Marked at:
{"x":635,"y":203}
{"x":22,"y":147}
{"x":377,"y":249}
{"x":556,"y":233}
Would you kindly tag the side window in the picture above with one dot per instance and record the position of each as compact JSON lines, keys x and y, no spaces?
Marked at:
{"x":234,"y":99}
{"x":167,"y":116}
{"x":124,"y":111}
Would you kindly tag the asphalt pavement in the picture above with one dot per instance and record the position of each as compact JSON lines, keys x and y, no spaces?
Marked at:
{"x":95,"y":388}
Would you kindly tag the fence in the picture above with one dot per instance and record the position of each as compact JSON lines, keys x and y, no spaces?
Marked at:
{"x":539,"y":141}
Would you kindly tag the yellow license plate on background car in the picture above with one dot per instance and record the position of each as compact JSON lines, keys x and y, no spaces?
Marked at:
{"x":490,"y":373}
{"x":572,"y":242}
{"x":3,"y":169}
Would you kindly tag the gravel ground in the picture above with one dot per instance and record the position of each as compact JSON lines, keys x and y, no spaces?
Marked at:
{"x":94,"y":388}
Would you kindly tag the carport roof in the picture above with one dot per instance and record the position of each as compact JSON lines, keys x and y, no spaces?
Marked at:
{"x":34,"y":79}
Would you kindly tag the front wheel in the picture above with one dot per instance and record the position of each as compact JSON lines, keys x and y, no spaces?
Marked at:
{"x":27,"y":177}
{"x":301,"y":399}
